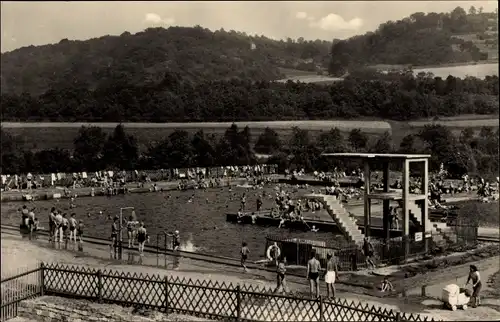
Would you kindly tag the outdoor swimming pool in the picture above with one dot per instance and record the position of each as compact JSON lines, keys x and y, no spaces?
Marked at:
{"x":202,"y":222}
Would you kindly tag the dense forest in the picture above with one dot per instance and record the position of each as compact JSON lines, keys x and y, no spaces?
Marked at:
{"x":399,"y":97}
{"x":200,"y":55}
{"x":93,"y":150}
{"x":420,"y":39}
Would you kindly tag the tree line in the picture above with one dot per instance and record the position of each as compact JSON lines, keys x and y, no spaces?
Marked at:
{"x":174,"y":99}
{"x":93,"y":150}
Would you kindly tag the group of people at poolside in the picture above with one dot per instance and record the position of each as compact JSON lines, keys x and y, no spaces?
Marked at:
{"x":331,"y":273}
{"x":136,"y":232}
{"x":313,"y":271}
{"x":62,"y":228}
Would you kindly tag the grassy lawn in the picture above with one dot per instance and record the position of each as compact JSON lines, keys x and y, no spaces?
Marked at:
{"x":486,"y":213}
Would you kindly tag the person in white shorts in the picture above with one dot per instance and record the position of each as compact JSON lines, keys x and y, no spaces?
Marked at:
{"x":331,"y":275}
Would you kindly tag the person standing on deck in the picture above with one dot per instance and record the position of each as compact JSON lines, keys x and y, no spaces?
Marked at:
{"x":244,"y":255}
{"x":368,"y":252}
{"x":313,"y":269}
{"x":114,"y":234}
{"x":52,"y":219}
{"x":79,"y":234}
{"x":475,"y":278}
{"x":31,"y":219}
{"x":131,"y":224}
{"x":72,"y":228}
{"x":280,"y":276}
{"x":176,"y":240}
{"x":65,"y":225}
{"x":25,"y":216}
{"x":274,"y":252}
{"x":176,"y":244}
{"x":142,"y":237}
{"x":331,"y":275}
{"x":58,"y":227}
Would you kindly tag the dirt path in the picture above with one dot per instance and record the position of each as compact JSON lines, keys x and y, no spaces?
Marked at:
{"x":17,"y":253}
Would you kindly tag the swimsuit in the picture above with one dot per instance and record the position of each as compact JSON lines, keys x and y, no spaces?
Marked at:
{"x":114,"y":232}
{"x":176,"y":242}
{"x":141,"y":236}
{"x":313,"y":275}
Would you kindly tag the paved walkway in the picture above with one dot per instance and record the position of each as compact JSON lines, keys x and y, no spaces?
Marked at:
{"x":17,"y":252}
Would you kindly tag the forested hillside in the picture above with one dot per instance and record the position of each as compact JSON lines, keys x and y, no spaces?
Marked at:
{"x":199,"y":55}
{"x":196,"y":54}
{"x":420,"y":39}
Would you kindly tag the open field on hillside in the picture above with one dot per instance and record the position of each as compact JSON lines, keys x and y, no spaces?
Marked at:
{"x":288,"y":72}
{"x":39,"y":136}
{"x":459,"y":123}
{"x":317,"y":79}
{"x":462,"y":70}
{"x":306,"y":77}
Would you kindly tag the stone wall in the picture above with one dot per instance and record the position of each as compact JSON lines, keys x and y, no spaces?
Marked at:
{"x":56,"y":309}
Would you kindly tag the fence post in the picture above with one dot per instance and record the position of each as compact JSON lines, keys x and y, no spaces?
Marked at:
{"x":238,"y":302}
{"x":166,"y":294}
{"x":320,"y":302}
{"x":99,"y":286}
{"x":398,"y":316}
{"x":157,"y":250}
{"x":42,"y":279}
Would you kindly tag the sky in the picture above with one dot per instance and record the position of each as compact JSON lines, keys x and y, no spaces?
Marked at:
{"x":39,"y":23}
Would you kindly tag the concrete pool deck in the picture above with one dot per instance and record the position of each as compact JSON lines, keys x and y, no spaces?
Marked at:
{"x":22,"y":253}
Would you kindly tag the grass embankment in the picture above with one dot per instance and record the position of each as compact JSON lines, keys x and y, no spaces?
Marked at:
{"x":494,"y":284}
{"x":486,"y":213}
{"x":419,"y":273}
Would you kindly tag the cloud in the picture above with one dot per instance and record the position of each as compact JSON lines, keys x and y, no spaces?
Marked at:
{"x":334,"y":22}
{"x":154,"y":18}
{"x":301,"y":15}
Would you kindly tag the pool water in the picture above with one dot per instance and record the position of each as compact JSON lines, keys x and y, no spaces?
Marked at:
{"x":202,"y":222}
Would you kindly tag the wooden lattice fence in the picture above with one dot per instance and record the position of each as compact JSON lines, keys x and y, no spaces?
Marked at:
{"x":205,"y":298}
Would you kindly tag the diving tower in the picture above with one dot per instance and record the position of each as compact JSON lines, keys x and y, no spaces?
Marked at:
{"x":414,"y":206}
